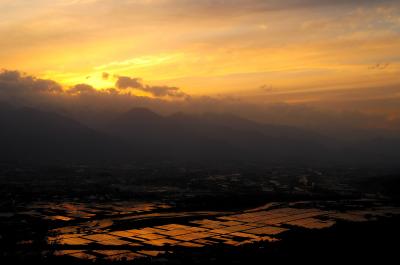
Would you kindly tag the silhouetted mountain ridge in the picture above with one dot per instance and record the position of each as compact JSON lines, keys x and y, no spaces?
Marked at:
{"x":140,"y":134}
{"x":221,"y":136}
{"x":38,"y":136}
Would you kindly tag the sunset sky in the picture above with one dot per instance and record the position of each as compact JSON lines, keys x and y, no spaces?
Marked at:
{"x":323,"y":52}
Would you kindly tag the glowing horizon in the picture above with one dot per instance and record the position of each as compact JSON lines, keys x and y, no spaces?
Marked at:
{"x":254,"y":50}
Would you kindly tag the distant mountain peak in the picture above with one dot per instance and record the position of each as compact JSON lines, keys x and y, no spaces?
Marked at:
{"x":141,"y":114}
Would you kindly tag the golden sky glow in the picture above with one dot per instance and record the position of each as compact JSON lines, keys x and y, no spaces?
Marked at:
{"x":253,"y":49}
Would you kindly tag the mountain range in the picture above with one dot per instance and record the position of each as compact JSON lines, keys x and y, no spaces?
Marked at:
{"x":32,"y":135}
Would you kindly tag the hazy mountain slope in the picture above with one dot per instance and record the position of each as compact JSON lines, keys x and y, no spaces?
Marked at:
{"x":142,"y":135}
{"x":33,"y":135}
{"x":214,"y":136}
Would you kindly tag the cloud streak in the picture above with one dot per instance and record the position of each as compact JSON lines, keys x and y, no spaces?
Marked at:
{"x":125,"y":82}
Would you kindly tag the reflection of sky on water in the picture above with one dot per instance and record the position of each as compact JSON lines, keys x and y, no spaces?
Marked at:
{"x":96,"y":234}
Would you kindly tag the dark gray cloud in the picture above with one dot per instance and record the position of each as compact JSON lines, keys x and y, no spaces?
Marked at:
{"x":105,"y":76}
{"x":163,"y":91}
{"x":16,"y":82}
{"x":81,"y":89}
{"x":379,"y":66}
{"x":124,"y":82}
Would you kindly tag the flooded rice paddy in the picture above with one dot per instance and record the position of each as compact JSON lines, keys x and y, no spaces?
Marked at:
{"x":129,"y":230}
